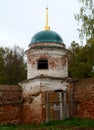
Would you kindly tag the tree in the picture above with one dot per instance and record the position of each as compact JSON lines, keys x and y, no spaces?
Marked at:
{"x":86,"y":19}
{"x":2,"y":66}
{"x":12,"y":65}
{"x":82,"y":65}
{"x":81,"y":60}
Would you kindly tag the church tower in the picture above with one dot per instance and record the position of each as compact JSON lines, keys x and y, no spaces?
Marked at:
{"x":47,"y":54}
{"x":45,"y":90}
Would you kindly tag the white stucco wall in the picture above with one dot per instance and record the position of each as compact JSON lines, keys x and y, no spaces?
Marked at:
{"x":41,"y":85}
{"x":57,"y":63}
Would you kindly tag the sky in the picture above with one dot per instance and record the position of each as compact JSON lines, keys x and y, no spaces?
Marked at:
{"x":21,"y":19}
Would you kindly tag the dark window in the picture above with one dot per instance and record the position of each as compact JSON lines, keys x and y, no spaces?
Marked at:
{"x":42,"y":64}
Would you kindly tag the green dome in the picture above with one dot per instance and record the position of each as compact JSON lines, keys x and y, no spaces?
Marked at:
{"x":46,"y":36}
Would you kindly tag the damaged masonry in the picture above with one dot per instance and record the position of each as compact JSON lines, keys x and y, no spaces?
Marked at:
{"x":47,"y":93}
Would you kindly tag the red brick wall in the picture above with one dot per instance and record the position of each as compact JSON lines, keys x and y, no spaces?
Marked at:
{"x":14,"y":111}
{"x":84,"y":99}
{"x":10,"y":104}
{"x":32,"y":111}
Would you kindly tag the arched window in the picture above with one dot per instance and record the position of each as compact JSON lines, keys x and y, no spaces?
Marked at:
{"x":42,"y":64}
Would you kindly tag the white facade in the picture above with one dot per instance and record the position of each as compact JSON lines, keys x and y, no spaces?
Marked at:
{"x":47,"y":71}
{"x":56,"y":57}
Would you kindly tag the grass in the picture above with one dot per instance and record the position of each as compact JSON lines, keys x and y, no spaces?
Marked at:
{"x":67,"y":124}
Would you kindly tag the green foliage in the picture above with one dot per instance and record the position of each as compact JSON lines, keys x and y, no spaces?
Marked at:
{"x":81,"y":60}
{"x":85,"y":18}
{"x":12,"y":65}
{"x":67,"y":124}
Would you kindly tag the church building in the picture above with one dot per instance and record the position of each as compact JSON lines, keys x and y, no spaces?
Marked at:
{"x":47,"y":92}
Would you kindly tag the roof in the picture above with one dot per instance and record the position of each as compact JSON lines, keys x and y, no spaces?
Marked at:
{"x":42,"y":76}
{"x":46,"y":36}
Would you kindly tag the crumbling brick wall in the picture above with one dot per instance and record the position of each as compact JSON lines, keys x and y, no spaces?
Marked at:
{"x":10,"y":104}
{"x":15,"y":108}
{"x":32,"y":111}
{"x":84,"y":98}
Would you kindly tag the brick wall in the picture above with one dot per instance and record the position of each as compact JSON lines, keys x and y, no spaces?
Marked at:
{"x":32,"y":110}
{"x":84,"y":98}
{"x":15,"y":110}
{"x":10,"y":104}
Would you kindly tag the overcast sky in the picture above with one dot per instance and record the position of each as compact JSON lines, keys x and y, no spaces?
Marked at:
{"x":21,"y":19}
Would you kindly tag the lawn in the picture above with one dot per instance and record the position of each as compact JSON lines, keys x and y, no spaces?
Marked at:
{"x":67,"y":124}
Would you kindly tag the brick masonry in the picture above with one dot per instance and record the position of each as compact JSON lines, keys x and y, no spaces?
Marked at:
{"x":84,"y":98}
{"x":10,"y":104}
{"x":16,"y":108}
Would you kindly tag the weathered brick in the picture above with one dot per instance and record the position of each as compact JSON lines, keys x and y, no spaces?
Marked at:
{"x":84,"y":92}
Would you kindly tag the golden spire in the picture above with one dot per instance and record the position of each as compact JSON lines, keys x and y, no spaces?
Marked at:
{"x":47,"y":27}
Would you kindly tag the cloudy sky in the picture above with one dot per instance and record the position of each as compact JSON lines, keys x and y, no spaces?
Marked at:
{"x":21,"y":19}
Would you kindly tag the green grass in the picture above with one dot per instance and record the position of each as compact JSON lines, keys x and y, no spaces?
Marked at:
{"x":67,"y":124}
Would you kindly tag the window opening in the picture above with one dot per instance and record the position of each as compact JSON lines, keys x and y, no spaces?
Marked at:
{"x":42,"y":64}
